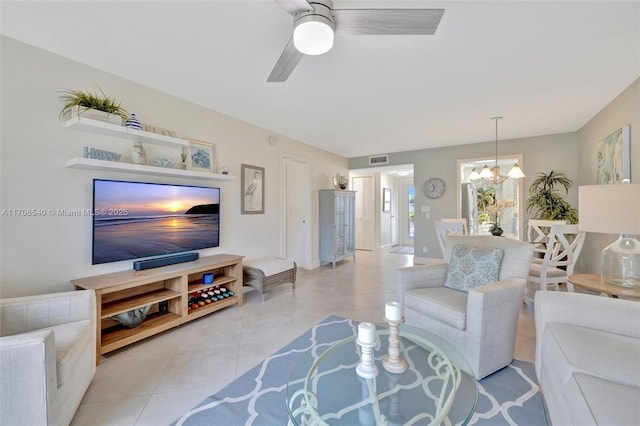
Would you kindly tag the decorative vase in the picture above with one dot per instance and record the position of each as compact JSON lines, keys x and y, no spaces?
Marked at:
{"x":132,"y":319}
{"x":133,"y":123}
{"x":138,"y":154}
{"x":340,"y":182}
{"x":497,"y":231}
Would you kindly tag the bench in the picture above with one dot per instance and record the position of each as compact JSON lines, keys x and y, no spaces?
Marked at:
{"x":264,"y":274}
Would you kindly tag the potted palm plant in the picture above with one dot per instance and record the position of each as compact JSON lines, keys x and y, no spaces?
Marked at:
{"x":97,"y":106}
{"x":546,"y":199}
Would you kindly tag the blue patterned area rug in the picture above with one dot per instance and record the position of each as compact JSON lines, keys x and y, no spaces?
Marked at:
{"x":508,"y":397}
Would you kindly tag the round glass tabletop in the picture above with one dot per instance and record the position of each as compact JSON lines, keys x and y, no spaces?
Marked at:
{"x":324,"y":388}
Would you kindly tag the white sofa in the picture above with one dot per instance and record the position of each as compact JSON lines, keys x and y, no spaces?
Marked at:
{"x":480,"y":324}
{"x":588,"y":358}
{"x":47,"y":356}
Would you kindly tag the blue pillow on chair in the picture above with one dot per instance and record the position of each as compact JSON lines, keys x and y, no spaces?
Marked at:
{"x":473,"y":266}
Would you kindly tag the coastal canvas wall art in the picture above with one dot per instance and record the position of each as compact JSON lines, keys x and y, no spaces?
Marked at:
{"x":614,"y":157}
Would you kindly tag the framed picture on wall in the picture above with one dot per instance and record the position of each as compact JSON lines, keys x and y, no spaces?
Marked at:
{"x":614,"y":157}
{"x":201,"y":156}
{"x":386,"y":199}
{"x":252,"y":189}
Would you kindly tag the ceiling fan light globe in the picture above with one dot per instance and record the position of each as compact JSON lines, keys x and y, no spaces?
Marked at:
{"x":313,"y":37}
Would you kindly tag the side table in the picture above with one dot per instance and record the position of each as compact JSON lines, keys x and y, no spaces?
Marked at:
{"x":593,"y":282}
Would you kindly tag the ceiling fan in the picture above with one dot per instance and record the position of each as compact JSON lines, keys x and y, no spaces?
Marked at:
{"x":315,"y":21}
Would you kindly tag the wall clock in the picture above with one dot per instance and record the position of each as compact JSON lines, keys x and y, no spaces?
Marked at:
{"x":433,"y":188}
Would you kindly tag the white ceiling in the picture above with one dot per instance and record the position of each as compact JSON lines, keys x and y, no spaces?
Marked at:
{"x":546,"y":66}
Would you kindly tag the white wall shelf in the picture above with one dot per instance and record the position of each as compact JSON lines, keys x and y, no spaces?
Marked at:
{"x":122,"y":132}
{"x":89,"y":163}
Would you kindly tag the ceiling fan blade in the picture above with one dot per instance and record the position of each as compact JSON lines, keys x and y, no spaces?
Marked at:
{"x":387,"y":21}
{"x":294,"y":6}
{"x":286,"y":63}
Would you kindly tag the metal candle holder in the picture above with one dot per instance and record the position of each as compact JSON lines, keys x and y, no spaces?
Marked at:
{"x":393,"y":363}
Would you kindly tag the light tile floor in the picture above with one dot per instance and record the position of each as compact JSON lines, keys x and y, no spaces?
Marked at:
{"x":155,"y":381}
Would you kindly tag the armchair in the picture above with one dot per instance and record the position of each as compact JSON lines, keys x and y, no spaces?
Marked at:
{"x":588,"y":358}
{"x":480,"y":324}
{"x":47,"y":353}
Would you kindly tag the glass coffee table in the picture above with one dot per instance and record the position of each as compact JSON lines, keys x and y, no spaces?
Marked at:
{"x":437,"y":388}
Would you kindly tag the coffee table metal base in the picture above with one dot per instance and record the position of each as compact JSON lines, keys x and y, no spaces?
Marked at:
{"x":433,"y":388}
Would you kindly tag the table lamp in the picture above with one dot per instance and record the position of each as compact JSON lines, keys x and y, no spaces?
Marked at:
{"x":614,"y":209}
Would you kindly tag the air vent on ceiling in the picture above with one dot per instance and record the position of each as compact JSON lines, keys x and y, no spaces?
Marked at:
{"x":378,"y":159}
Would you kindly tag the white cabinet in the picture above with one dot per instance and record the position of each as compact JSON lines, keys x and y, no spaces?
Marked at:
{"x":337,"y":225}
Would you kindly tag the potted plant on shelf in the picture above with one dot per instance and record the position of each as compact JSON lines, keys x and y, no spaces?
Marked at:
{"x":91,"y":105}
{"x":545,"y":198}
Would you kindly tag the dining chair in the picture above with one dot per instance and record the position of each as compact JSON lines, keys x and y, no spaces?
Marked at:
{"x":446,"y":227}
{"x":562,"y":251}
{"x":461,"y":220}
{"x":538,"y":235}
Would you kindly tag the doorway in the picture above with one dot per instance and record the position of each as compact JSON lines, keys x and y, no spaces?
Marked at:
{"x":365,"y":211}
{"x":295,"y":241}
{"x":476,"y":197}
{"x":406,"y":212}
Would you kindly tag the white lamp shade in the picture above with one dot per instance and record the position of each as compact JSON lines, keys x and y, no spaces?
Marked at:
{"x":610,"y":209}
{"x":474,"y":175}
{"x":486,"y":173}
{"x":313,"y":36}
{"x":515,"y":172}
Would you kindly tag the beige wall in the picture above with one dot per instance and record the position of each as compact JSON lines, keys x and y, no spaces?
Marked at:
{"x":623,"y":110}
{"x":540,"y":154}
{"x":41,"y":254}
{"x":574,"y":153}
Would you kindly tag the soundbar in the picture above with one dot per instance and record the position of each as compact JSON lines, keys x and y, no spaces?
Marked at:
{"x":139,"y":265}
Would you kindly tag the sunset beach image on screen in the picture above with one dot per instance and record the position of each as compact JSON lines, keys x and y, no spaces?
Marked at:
{"x":134,"y":219}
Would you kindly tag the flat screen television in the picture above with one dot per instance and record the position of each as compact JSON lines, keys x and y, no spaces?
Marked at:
{"x":132,"y":220}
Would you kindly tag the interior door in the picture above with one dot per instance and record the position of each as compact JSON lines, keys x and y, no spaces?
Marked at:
{"x":365,"y":211}
{"x":297,"y":212}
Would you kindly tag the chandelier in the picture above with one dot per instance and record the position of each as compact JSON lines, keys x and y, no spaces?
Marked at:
{"x":492,"y":175}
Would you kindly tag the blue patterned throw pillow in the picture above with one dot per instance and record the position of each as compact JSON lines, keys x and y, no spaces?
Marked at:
{"x":473,"y":266}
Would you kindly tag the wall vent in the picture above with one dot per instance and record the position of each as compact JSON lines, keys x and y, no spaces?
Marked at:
{"x":378,"y":159}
